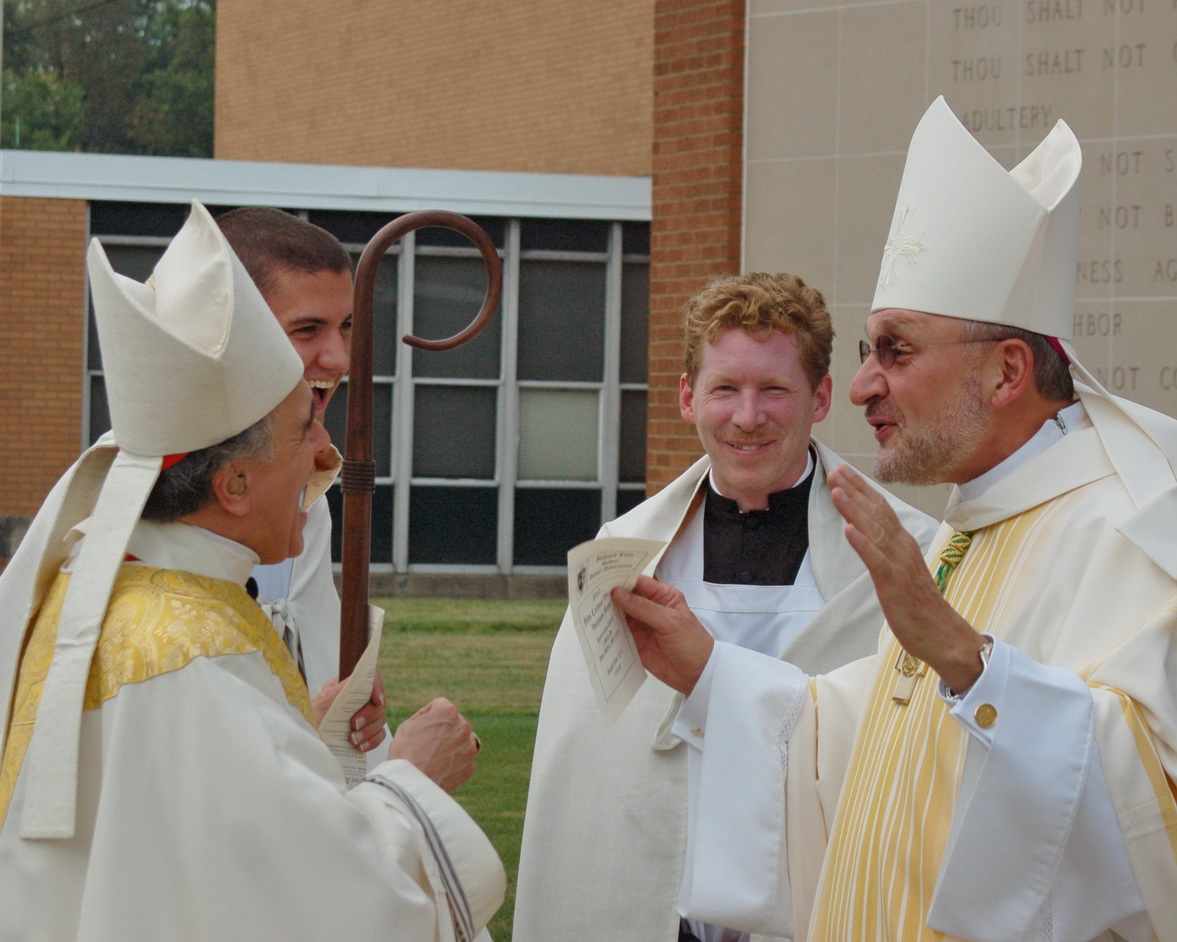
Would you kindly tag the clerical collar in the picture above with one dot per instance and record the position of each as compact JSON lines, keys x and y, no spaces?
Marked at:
{"x":184,"y":547}
{"x":1070,"y":419}
{"x":809,"y":465}
{"x":756,"y":547}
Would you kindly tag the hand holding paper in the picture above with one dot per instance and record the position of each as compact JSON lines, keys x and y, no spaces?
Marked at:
{"x":673,"y":644}
{"x":335,"y":729}
{"x":595,"y":569}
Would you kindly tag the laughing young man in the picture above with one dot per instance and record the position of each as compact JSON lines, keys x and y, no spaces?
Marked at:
{"x":304,"y":274}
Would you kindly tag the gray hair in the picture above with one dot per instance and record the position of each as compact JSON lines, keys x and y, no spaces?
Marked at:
{"x":1052,"y":376}
{"x":186,"y":486}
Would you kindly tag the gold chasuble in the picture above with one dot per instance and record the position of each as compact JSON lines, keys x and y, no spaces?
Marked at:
{"x":888,"y":840}
{"x":897,"y":802}
{"x":158,"y":621}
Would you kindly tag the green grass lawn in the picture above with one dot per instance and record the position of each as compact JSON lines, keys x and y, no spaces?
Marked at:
{"x":489,"y":656}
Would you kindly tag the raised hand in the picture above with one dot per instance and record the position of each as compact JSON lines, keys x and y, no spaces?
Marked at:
{"x":919,"y":617}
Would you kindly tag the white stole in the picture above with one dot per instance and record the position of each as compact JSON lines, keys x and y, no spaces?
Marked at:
{"x":764,"y":618}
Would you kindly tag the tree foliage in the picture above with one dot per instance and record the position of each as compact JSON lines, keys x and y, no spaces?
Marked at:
{"x":41,"y":111}
{"x":111,"y":76}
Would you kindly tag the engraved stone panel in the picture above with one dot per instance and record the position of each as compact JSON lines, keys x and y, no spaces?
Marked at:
{"x":973,"y":62}
{"x":1142,"y":365}
{"x":1009,"y":69}
{"x":873,"y":80}
{"x":1128,"y":212}
{"x":791,"y":124}
{"x":866,"y":191}
{"x":798,"y":223}
{"x":758,"y":7}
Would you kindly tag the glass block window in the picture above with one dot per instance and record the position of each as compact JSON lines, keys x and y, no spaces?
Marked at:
{"x":561,"y":321}
{"x":548,"y":523}
{"x":453,"y":525}
{"x":503,"y":454}
{"x":454,"y":432}
{"x":558,"y":434}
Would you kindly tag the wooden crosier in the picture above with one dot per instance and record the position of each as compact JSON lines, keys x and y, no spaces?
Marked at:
{"x":358,"y":475}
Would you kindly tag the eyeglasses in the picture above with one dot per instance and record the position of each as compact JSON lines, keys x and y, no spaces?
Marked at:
{"x":887,"y":348}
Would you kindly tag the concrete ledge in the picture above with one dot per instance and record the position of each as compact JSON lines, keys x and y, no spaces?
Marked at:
{"x":456,"y":585}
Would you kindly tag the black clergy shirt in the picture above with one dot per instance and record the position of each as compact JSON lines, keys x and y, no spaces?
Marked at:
{"x":760,"y":547}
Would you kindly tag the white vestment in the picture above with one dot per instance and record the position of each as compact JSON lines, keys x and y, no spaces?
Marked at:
{"x":605,"y":832}
{"x":1039,"y":806}
{"x":208,"y":808}
{"x":300,"y":597}
{"x":300,"y":592}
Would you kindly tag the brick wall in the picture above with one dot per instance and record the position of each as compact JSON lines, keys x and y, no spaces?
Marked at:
{"x":42,"y":323}
{"x":558,"y":86}
{"x":697,"y":196}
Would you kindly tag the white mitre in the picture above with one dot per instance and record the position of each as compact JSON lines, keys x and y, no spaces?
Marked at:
{"x":194,"y":356}
{"x":973,"y":241}
{"x":191,"y":358}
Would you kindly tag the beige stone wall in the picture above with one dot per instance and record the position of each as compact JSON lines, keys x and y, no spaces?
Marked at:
{"x":835,"y":90}
{"x":558,"y":86}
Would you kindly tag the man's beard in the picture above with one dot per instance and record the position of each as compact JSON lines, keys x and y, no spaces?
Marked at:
{"x":924,"y":456}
